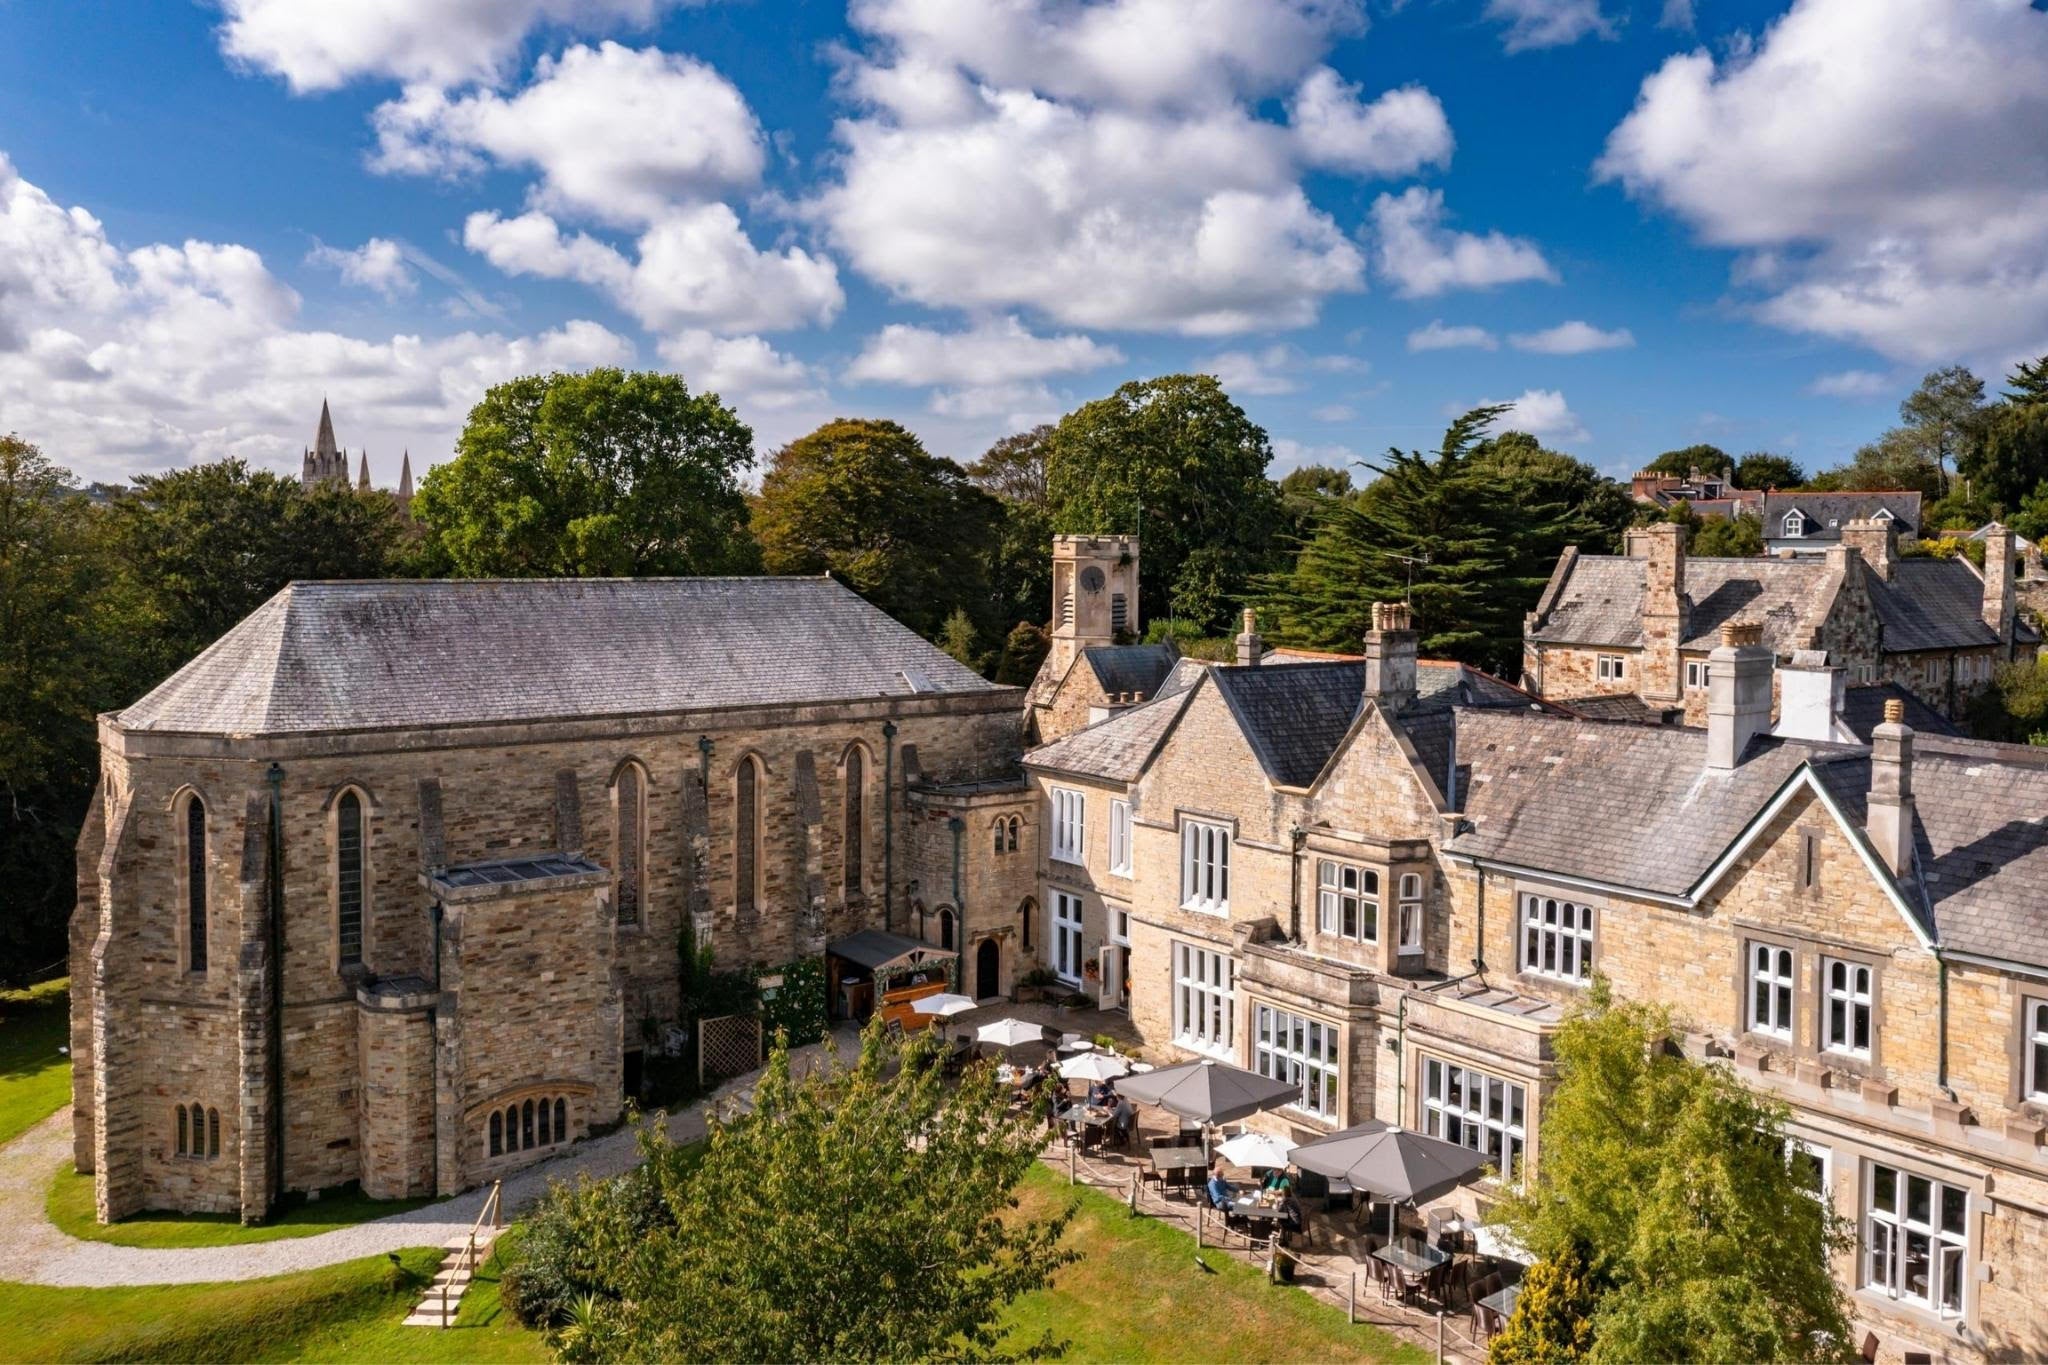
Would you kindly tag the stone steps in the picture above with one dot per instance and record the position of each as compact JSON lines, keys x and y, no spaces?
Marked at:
{"x":443,"y":1299}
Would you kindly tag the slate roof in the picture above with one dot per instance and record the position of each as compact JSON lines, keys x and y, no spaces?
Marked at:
{"x":1929,"y":603}
{"x":1600,"y":601}
{"x":1118,"y":748}
{"x":1935,"y":604}
{"x":1863,"y":711}
{"x":1983,"y":845}
{"x":403,"y":654}
{"x":1827,"y":513}
{"x":1293,"y":717}
{"x":1621,"y":706}
{"x":1628,"y":805}
{"x":1131,"y":668}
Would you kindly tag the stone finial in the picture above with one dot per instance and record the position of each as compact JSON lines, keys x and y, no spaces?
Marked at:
{"x":1894,"y":712}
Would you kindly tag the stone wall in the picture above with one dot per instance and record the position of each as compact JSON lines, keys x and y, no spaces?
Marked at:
{"x":395,"y":1040}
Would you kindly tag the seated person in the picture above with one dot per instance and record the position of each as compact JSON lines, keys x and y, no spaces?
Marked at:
{"x":1290,"y":1213}
{"x":1102,"y":1093}
{"x":1221,"y":1192}
{"x":1279,"y":1180}
{"x":1124,"y":1120}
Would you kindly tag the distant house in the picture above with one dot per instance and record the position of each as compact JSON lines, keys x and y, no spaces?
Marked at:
{"x":1808,"y":523}
{"x":1710,"y":495}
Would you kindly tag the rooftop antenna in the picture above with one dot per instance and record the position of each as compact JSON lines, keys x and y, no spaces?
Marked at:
{"x":1411,"y":561}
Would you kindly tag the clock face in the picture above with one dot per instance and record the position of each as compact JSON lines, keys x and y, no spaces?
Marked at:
{"x":1091,"y":579}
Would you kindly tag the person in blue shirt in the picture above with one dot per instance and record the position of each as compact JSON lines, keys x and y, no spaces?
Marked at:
{"x":1220,"y":1190}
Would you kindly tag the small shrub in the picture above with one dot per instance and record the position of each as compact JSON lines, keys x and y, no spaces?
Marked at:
{"x":574,"y":1237}
{"x":1553,"y":1320}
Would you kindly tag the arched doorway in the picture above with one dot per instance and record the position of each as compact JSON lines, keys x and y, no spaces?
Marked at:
{"x":946,"y":930}
{"x":987,"y":970}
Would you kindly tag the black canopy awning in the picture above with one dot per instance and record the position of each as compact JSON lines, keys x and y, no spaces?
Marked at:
{"x":876,"y":949}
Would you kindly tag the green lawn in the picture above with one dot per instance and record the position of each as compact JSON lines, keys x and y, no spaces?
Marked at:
{"x":35,"y":1076}
{"x":70,"y":1206}
{"x":348,"y":1312}
{"x":1137,"y":1294}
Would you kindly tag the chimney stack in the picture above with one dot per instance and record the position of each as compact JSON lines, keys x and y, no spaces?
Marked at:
{"x":1390,"y":656}
{"x":1664,"y":613}
{"x":1999,"y":603}
{"x":1890,"y":819}
{"x":1249,"y":646}
{"x":1810,"y":693}
{"x":1877,"y":540}
{"x":1738,"y":693}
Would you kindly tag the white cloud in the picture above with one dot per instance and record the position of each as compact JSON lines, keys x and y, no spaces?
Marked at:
{"x":743,"y":369}
{"x":121,"y":361}
{"x":1397,"y":134}
{"x":1543,"y":413}
{"x":995,"y":351}
{"x":1572,"y":338}
{"x":328,"y":43}
{"x":1017,"y":405}
{"x":1548,"y":23}
{"x":1107,"y":165}
{"x":377,"y":264}
{"x":1290,"y":454}
{"x":614,"y":134}
{"x":1882,"y":163}
{"x":1275,"y":369}
{"x":1439,"y":337}
{"x":694,"y":269}
{"x":1424,"y":258}
{"x":1677,"y":14}
{"x":1334,"y":412}
{"x":1851,"y":384}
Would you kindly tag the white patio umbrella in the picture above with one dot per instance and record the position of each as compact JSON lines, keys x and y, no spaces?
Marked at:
{"x":1010,"y":1033}
{"x":942,"y":1005}
{"x":1093,"y":1066}
{"x":1494,"y":1241}
{"x":1253,"y":1150}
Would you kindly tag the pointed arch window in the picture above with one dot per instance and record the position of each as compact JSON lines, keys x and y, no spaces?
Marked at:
{"x":630,"y":858}
{"x":348,"y":865}
{"x":856,"y":818}
{"x":195,"y":883}
{"x":746,"y":862}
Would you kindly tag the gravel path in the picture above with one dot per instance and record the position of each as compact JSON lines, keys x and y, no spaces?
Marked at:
{"x":35,"y":1252}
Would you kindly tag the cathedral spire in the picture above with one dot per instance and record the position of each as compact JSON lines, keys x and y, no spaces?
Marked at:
{"x":323,"y":444}
{"x":363,"y":479}
{"x":405,"y":478}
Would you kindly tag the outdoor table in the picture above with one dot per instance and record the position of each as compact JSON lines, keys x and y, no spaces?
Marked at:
{"x":1502,"y":1301}
{"x":1411,"y":1257}
{"x":1251,"y":1206}
{"x":1178,"y":1159}
{"x":1095,"y":1116}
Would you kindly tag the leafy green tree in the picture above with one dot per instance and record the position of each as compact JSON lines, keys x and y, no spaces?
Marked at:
{"x":1174,"y":460}
{"x":1762,"y":469}
{"x":1020,"y":569}
{"x":1706,"y":459}
{"x":1468,"y":537}
{"x":201,"y":548}
{"x":1553,"y":1319}
{"x":606,"y":473}
{"x":2015,"y":707}
{"x":1680,"y":513}
{"x":1728,"y":537}
{"x":2011,"y":457}
{"x":2031,"y":518}
{"x":1898,"y":459}
{"x":1303,"y":492}
{"x":59,"y":667}
{"x":904,"y":528}
{"x":1024,"y":649}
{"x":1944,"y":417}
{"x":864,"y":1214}
{"x":1670,"y":1178}
{"x":956,"y":637}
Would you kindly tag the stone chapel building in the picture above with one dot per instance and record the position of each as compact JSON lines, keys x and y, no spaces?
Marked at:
{"x":387,"y":884}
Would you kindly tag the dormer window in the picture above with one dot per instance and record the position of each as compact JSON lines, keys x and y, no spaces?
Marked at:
{"x":1881,"y":514}
{"x":1795,"y":525}
{"x":1713,"y":491}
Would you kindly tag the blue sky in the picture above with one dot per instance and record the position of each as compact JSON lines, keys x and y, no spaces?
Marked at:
{"x":1647,"y":222}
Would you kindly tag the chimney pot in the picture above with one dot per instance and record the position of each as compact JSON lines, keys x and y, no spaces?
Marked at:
{"x":1894,"y":712}
{"x":1738,"y":693}
{"x":1889,"y":821}
{"x":1390,"y":648}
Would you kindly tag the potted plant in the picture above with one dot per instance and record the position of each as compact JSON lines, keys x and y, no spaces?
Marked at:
{"x":1034,"y":985}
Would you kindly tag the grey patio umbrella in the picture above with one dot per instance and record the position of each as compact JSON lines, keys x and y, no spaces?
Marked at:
{"x":1208,"y":1091}
{"x":1395,"y":1162}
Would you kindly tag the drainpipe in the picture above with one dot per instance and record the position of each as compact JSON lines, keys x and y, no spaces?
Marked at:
{"x":889,"y":825}
{"x":1479,"y":943}
{"x":958,"y":827}
{"x":1941,"y":1012}
{"x":1300,"y":837}
{"x":275,"y":776}
{"x":1401,"y":1060}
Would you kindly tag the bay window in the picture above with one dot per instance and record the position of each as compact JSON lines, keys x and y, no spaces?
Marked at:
{"x":1347,"y":901}
{"x":1289,"y":1047}
{"x":1410,"y":941}
{"x":1475,"y":1110}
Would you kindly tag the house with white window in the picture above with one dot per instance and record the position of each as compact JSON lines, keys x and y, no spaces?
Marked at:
{"x":1389,"y":880}
{"x":1803,"y":523}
